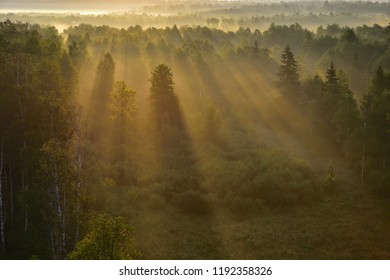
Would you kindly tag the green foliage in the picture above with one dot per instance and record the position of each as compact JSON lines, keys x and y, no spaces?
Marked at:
{"x":58,"y":181}
{"x":197,"y":164}
{"x":192,"y":202}
{"x":163,"y":100}
{"x":108,"y":238}
{"x":330,"y":180}
{"x":382,"y":186}
{"x":289,"y":84}
{"x":211,"y":127}
{"x":104,"y":81}
{"x":244,"y":206}
{"x":271,"y":179}
{"x":375,"y":109}
{"x":123,"y":104}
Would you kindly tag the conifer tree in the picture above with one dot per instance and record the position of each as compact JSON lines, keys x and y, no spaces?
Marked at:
{"x":289,"y":84}
{"x":163,"y":100}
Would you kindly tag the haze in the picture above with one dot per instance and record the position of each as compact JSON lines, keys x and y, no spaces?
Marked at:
{"x":114,"y":5}
{"x":194,"y":130}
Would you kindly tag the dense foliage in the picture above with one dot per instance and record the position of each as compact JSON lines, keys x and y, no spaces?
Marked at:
{"x":181,"y":120}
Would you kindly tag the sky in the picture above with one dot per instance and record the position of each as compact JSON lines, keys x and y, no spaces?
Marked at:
{"x":69,"y":4}
{"x":112,"y":5}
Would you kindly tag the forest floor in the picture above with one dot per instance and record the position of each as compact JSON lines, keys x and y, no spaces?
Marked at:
{"x":350,"y":224}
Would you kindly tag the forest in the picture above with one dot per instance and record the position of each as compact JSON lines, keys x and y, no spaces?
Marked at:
{"x":233,"y":135}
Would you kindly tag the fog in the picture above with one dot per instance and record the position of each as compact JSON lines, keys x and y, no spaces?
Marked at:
{"x":223,"y":15}
{"x":194,"y":130}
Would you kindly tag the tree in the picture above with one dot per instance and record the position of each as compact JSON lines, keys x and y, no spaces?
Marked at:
{"x":123,"y":104}
{"x":330,"y":180}
{"x":375,"y":109}
{"x":58,"y":180}
{"x":289,"y":84}
{"x":331,"y":76}
{"x":211,"y":127}
{"x":109,"y":238}
{"x":77,"y":50}
{"x":2,"y":233}
{"x":99,"y":113}
{"x":378,"y":83}
{"x":349,"y":36}
{"x":37,"y":86}
{"x":163,"y":100}
{"x":331,"y":95}
{"x":312,"y":89}
{"x":346,"y":118}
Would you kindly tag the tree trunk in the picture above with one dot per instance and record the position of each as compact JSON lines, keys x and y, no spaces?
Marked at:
{"x":22,"y":111}
{"x":25,"y":189}
{"x":60,"y":214}
{"x":347,"y":146}
{"x":363,"y":152}
{"x":1,"y":201}
{"x":17,"y":73}
{"x":11,"y":193}
{"x":79,"y":176}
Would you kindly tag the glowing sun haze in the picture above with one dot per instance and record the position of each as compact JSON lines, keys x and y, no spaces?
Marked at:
{"x":72,"y":4}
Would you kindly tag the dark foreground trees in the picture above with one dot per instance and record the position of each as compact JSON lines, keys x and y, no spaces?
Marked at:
{"x":375,"y":132}
{"x":37,"y":168}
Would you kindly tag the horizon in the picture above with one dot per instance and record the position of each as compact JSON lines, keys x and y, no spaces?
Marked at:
{"x":101,"y":7}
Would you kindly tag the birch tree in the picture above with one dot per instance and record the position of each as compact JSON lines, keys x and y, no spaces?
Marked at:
{"x":58,"y":178}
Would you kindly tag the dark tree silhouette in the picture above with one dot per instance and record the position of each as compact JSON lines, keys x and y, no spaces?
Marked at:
{"x":331,"y":75}
{"x":289,"y":84}
{"x":163,"y":100}
{"x":99,"y":112}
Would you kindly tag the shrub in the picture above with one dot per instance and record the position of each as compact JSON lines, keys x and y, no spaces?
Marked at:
{"x":109,"y":238}
{"x":192,"y":202}
{"x":244,"y":206}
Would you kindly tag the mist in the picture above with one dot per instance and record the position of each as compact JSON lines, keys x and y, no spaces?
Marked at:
{"x":194,"y":130}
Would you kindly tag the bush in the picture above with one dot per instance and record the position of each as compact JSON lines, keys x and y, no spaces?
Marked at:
{"x":109,"y":238}
{"x":156,"y":202}
{"x":243,"y":206}
{"x":382,"y":189}
{"x":192,"y":202}
{"x":330,"y":180}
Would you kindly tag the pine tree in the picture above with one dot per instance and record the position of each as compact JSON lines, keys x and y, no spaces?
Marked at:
{"x":375,"y":109}
{"x":331,"y":75}
{"x":123,"y":106}
{"x":163,"y":100}
{"x":331,"y":93}
{"x":346,"y":118}
{"x":99,"y":109}
{"x":378,"y":83}
{"x":289,"y":84}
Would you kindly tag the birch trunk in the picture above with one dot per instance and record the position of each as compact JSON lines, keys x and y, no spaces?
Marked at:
{"x":25,"y":188}
{"x":22,"y":111}
{"x":364,"y":152}
{"x":60,"y":213}
{"x":1,"y":201}
{"x":11,"y":193}
{"x":79,"y":183}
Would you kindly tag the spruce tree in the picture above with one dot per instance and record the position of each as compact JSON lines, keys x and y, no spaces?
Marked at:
{"x":163,"y":100}
{"x":289,"y":84}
